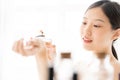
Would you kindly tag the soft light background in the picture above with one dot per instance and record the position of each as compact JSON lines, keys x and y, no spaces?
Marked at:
{"x":59,"y":19}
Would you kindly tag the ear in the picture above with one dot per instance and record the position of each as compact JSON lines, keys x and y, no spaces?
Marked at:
{"x":116,"y":34}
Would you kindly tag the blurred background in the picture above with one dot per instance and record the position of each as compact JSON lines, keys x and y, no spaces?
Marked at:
{"x":59,"y":19}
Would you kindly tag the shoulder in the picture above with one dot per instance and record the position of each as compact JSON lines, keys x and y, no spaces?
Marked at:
{"x":116,"y":69}
{"x":116,"y":65}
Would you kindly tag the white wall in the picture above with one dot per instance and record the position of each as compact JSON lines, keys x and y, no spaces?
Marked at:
{"x":60,"y":19}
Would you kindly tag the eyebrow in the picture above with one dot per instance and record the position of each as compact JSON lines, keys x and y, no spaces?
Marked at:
{"x":99,"y":20}
{"x":95,"y":19}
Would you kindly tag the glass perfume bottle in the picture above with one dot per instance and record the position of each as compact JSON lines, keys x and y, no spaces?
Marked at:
{"x":40,"y":35}
{"x":65,"y":68}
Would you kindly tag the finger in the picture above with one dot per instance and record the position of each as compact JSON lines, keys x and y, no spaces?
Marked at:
{"x":34,"y":45}
{"x":54,"y":48}
{"x":15,"y":46}
{"x":25,"y":51}
{"x":21,"y":47}
{"x":37,"y":43}
{"x":48,"y":44}
{"x":29,"y":43}
{"x":51,"y":52}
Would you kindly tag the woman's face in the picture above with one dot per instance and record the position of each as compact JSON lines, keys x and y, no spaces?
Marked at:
{"x":96,"y":31}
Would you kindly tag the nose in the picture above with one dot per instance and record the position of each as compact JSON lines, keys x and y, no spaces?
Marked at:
{"x":87,"y":30}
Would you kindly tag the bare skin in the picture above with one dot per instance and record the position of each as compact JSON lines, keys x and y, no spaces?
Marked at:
{"x":97,"y":36}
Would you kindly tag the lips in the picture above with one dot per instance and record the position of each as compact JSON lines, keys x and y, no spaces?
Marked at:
{"x":87,"y":40}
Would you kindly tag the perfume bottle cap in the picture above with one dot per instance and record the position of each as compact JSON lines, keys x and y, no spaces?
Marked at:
{"x":65,"y":54}
{"x":40,"y":34}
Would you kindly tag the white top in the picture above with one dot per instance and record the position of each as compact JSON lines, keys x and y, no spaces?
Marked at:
{"x":96,"y":69}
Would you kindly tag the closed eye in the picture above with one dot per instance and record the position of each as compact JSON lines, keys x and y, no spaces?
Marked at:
{"x":84,"y":23}
{"x":97,"y":26}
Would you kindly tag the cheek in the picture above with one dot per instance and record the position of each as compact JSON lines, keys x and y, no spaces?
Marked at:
{"x":81,"y":30}
{"x":98,"y":35}
{"x":102,"y":38}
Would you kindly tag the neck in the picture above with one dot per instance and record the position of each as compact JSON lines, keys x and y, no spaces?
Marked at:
{"x":101,"y":55}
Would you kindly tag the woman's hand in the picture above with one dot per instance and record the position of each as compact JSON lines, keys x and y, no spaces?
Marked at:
{"x":35,"y":47}
{"x":44,"y":53}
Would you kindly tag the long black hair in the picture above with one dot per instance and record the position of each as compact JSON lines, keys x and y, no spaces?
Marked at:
{"x":112,"y":11}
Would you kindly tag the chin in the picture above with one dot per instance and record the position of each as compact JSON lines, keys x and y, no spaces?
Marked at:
{"x":88,"y":48}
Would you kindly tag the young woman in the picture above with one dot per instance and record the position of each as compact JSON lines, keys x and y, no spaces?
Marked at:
{"x":99,"y":29}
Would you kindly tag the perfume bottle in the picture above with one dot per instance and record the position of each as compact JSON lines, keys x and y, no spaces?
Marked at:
{"x":40,"y":35}
{"x":65,"y":68}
